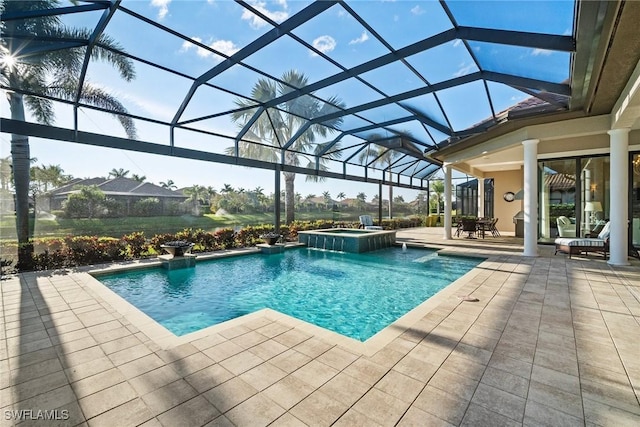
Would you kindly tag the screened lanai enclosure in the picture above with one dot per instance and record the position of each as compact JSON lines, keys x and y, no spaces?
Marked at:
{"x":323,"y":88}
{"x":367,"y":91}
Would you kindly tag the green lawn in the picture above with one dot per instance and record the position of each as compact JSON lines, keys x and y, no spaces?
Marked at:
{"x":117,"y":227}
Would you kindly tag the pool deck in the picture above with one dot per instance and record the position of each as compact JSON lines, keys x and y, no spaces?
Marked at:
{"x":550,"y":341}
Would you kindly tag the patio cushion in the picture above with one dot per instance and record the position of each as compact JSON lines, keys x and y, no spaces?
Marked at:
{"x":367,"y":222}
{"x":606,"y":230}
{"x":570,"y":241}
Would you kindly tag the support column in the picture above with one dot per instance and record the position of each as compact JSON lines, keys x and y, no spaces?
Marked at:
{"x":447,"y":201}
{"x":530,"y":197}
{"x":380,"y":204}
{"x":277,"y":200}
{"x":481,"y":198}
{"x":619,"y":184}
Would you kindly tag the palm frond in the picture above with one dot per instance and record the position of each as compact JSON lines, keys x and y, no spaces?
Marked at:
{"x":96,"y":96}
{"x":41,"y":108}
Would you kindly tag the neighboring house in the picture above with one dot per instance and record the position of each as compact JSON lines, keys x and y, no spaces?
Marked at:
{"x":124,"y":190}
{"x":349,"y":203}
{"x":318,"y":202}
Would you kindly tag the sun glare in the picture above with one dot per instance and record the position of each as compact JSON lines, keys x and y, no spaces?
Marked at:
{"x":8,"y":61}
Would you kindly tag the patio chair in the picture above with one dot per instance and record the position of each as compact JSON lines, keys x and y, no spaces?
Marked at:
{"x":576,"y":245}
{"x":565,"y":227}
{"x":366,"y":222}
{"x":494,"y":229}
{"x":458,"y":225}
{"x":469,"y":226}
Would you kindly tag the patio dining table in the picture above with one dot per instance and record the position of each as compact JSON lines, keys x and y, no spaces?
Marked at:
{"x":483,"y":225}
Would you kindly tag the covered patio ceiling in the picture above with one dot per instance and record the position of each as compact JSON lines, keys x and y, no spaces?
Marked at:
{"x":387,"y":85}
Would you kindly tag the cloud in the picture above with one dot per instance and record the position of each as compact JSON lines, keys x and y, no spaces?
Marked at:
{"x":417,"y":10}
{"x":464,"y":69}
{"x":324,"y":44}
{"x":163,"y":7}
{"x":543,"y":52}
{"x":256,"y":22}
{"x":363,"y":38}
{"x":157,"y":110}
{"x":457,"y":43}
{"x":223,"y":46}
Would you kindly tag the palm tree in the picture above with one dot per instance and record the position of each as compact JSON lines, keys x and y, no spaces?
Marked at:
{"x":51,"y":71}
{"x":298,"y":200}
{"x":118,"y":173}
{"x":168,"y":184}
{"x":275,"y":127}
{"x":227,"y":189}
{"x":139,"y":178}
{"x":421,"y":199}
{"x":361,"y":200}
{"x":327,"y":199}
{"x":261,"y":198}
{"x":437,"y":188}
{"x":211,"y":194}
{"x":341,"y":196}
{"x":196,"y":194}
{"x":384,"y":158}
{"x":49,"y":175}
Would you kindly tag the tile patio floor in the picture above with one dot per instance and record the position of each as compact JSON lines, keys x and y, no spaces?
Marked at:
{"x":551,"y":341}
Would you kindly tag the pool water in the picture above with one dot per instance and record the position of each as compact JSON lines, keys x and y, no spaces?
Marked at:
{"x":356,"y":295}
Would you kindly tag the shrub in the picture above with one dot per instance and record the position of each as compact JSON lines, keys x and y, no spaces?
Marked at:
{"x":73,"y":251}
{"x":88,"y":202}
{"x":50,"y":260}
{"x":204,"y":240}
{"x":225,"y":238}
{"x":83,"y":250}
{"x":250,"y":235}
{"x":147,"y":207}
{"x":136,"y":244}
{"x":159,"y":239}
{"x":114,"y":208}
{"x":5,"y":266}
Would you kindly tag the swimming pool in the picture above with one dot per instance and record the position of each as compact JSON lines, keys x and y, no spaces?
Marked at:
{"x":356,"y":295}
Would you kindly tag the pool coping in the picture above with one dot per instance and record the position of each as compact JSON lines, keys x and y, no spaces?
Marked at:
{"x":166,"y":339}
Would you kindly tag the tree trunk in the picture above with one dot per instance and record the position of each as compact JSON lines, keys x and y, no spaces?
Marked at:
{"x":20,"y":159}
{"x":289,"y":197}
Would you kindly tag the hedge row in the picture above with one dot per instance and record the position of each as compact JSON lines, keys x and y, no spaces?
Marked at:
{"x":74,"y":251}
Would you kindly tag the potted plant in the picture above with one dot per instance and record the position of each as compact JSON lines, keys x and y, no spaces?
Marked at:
{"x":177,"y":247}
{"x":270,"y":238}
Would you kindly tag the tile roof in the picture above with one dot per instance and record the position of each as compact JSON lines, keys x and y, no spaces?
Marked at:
{"x":119,"y":186}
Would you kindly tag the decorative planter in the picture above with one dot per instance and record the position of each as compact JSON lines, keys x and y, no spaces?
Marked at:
{"x":177,"y":247}
{"x":270,"y":238}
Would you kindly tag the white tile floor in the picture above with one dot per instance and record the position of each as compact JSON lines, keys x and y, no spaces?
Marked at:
{"x":551,"y":341}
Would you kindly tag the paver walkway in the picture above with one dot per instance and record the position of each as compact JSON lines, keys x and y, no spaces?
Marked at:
{"x":551,"y":341}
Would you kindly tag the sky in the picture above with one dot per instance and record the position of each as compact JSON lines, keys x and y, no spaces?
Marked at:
{"x":226,"y":27}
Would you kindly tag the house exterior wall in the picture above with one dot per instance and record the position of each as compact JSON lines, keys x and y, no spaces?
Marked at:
{"x":504,"y":181}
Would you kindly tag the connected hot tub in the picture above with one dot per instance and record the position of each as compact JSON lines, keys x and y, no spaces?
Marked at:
{"x":348,"y":239}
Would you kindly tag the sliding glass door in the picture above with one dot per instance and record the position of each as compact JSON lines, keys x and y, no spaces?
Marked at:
{"x":594,"y":203}
{"x":634,"y":217}
{"x":574,"y":197}
{"x":557,"y":199}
